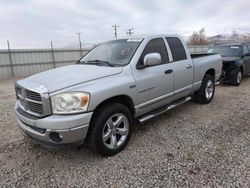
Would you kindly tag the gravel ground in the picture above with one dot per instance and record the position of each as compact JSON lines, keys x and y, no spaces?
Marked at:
{"x":190,"y":146}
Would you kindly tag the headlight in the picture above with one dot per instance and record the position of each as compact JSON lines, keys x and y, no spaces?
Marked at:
{"x":70,"y":103}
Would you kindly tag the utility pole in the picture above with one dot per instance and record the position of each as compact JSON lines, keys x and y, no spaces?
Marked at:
{"x":53,"y":55}
{"x":80,"y":43}
{"x":129,"y":32}
{"x":115,"y":29}
{"x":10,"y":59}
{"x":218,"y":39}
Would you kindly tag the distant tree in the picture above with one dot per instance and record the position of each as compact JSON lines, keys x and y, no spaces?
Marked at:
{"x":235,"y":36}
{"x":246,"y":38}
{"x":198,"y":38}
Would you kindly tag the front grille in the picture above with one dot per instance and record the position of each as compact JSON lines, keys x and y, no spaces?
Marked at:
{"x":33,"y":102}
{"x":33,"y":95}
{"x":34,"y":107}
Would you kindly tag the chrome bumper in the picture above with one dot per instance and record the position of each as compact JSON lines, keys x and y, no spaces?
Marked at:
{"x":57,"y":130}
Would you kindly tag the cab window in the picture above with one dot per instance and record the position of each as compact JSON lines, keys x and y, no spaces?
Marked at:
{"x":155,"y":46}
{"x":177,"y":49}
{"x":245,"y":50}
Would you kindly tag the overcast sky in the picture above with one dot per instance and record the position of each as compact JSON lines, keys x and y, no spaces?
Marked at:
{"x":33,"y":23}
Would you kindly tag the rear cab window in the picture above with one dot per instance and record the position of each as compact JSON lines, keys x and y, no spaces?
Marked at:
{"x":177,"y":49}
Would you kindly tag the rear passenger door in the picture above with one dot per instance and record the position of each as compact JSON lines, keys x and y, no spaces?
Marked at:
{"x":182,"y":67}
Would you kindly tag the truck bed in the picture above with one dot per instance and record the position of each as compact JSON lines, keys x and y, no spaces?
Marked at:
{"x":204,"y":62}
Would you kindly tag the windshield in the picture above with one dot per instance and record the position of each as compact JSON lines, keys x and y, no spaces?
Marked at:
{"x":226,"y":51}
{"x":112,"y":53}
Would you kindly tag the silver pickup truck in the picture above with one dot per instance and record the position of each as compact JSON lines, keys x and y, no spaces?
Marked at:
{"x":117,"y":82}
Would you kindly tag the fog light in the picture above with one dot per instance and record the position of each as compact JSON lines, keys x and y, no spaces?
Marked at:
{"x":56,"y":137}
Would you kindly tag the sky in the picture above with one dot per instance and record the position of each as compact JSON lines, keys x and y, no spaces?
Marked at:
{"x":34,"y":23}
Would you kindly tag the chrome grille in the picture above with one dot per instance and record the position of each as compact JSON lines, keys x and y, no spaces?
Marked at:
{"x":34,"y":107}
{"x":33,"y":95}
{"x":32,"y":102}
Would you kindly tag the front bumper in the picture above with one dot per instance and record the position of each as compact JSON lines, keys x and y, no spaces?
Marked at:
{"x":54,"y":130}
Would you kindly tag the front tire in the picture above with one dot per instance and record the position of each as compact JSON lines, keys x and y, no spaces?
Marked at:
{"x":236,"y":77}
{"x":110,"y":129}
{"x":206,"y":92}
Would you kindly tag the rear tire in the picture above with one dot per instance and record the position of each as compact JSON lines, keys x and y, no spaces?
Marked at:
{"x":108,"y":135}
{"x":206,"y":92}
{"x":236,"y":77}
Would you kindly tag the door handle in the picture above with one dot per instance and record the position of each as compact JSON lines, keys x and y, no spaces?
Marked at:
{"x":169,"y":71}
{"x":189,"y":66}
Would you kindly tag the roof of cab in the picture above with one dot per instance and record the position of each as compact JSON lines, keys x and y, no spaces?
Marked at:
{"x":149,"y":36}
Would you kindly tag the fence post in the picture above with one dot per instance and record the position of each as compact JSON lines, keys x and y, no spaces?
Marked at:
{"x":53,"y":55}
{"x":10,"y":59}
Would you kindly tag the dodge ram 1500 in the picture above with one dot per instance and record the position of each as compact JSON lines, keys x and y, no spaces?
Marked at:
{"x":119,"y":81}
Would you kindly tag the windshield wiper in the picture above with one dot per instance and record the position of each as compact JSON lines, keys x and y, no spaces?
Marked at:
{"x":99,"y":62}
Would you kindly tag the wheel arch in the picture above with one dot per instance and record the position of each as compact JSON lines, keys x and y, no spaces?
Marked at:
{"x":242,"y":69}
{"x":210,"y":72}
{"x":94,"y":137}
{"x":122,"y":99}
{"x":240,"y":65}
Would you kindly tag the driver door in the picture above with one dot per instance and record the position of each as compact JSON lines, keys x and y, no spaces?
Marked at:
{"x":155,"y":84}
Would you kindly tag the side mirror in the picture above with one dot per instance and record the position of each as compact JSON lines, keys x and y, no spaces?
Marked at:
{"x":152,"y":59}
{"x":246,"y":55}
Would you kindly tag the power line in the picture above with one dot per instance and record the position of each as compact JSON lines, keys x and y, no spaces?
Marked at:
{"x":129,"y":32}
{"x":115,"y":29}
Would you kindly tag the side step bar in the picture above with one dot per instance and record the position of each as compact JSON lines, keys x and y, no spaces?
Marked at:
{"x":164,"y":109}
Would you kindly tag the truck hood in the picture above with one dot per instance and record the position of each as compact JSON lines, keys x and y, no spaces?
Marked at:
{"x":230,"y":59}
{"x":67,"y":76}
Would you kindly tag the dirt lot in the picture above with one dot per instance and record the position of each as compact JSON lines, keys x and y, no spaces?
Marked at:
{"x":192,"y":145}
